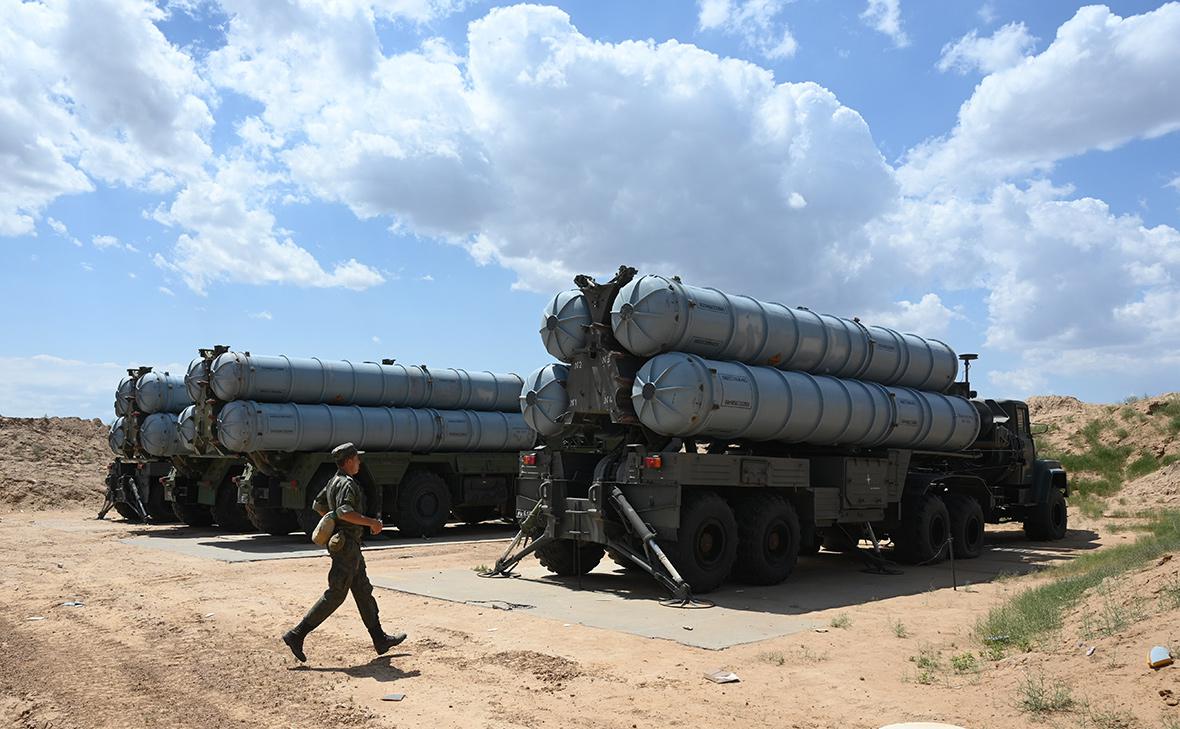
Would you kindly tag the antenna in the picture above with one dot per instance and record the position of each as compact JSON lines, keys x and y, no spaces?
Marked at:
{"x":967,"y":358}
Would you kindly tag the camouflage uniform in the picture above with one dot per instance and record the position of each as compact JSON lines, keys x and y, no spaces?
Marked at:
{"x":342,"y":495}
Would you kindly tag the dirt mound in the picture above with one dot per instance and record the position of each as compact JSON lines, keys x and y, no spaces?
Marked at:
{"x":1161,"y":488}
{"x":52,"y":463}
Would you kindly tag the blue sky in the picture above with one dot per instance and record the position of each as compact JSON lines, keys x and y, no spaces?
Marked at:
{"x":414,"y":178}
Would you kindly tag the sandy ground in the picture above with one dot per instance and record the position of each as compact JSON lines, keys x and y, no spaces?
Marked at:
{"x":169,"y":640}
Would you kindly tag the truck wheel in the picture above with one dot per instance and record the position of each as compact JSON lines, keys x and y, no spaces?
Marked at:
{"x":567,"y":558}
{"x":925,"y":526}
{"x":272,"y":520}
{"x":966,"y":525}
{"x":706,"y":544}
{"x":768,"y":539}
{"x":194,"y":515}
{"x":1048,"y":521}
{"x":423,"y":504}
{"x":227,"y":512}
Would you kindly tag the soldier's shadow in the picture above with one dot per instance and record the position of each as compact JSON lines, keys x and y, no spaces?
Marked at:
{"x":380,"y":668}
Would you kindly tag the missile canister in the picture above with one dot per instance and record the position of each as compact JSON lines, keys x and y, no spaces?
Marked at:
{"x":239,"y":376}
{"x":565,"y":324}
{"x":193,"y":378}
{"x":186,"y":427}
{"x":544,"y":400}
{"x":681,"y":394}
{"x":246,"y":426}
{"x":117,"y":437}
{"x":652,"y":314}
{"x":160,"y":392}
{"x":159,"y":435}
{"x":124,"y":396}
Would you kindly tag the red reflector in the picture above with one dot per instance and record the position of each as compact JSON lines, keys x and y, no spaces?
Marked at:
{"x":528,"y":459}
{"x":294,"y":484}
{"x":653,"y":462}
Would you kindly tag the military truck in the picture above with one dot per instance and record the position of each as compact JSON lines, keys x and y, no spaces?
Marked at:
{"x":133,"y":482}
{"x":700,"y":436}
{"x":440,"y":444}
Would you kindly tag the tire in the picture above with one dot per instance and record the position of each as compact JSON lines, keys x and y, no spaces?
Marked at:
{"x":568,"y":558}
{"x":1048,"y":521}
{"x":476,"y":514}
{"x":707,"y":541}
{"x":272,"y":520}
{"x":227,"y":512}
{"x":423,"y":504}
{"x":768,"y":539}
{"x":194,"y":515}
{"x":925,"y":527}
{"x":966,"y":520}
{"x":125,"y":511}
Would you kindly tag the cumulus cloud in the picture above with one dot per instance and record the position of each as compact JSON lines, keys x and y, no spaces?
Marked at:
{"x":928,"y":316}
{"x":166,"y":291}
{"x":755,"y":22}
{"x":44,"y":384}
{"x":92,"y":89}
{"x":105,"y":241}
{"x":1060,"y":274}
{"x":1005,"y":48}
{"x":232,"y":236}
{"x":885,"y":16}
{"x":1103,"y":81}
{"x":635,"y":135}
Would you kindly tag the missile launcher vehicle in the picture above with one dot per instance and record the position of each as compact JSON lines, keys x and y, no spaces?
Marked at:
{"x":440,"y":444}
{"x":700,"y":436}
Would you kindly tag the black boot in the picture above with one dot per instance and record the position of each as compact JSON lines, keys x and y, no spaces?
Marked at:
{"x":386,"y":641}
{"x":294,"y":640}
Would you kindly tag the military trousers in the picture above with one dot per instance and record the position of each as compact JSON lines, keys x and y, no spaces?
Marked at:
{"x":347,"y":574}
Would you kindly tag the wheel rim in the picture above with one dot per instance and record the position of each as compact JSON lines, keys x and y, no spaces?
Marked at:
{"x":428,"y":504}
{"x":777,"y":544}
{"x":709,"y":545}
{"x":938,"y":531}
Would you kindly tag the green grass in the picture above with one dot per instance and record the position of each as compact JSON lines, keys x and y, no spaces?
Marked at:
{"x":899,"y":630}
{"x":929,"y":665}
{"x":1039,"y":698}
{"x":1034,"y":614}
{"x":965,"y":663}
{"x":841,"y":621}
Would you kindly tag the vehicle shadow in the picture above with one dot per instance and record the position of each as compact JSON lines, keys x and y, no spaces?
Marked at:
{"x":832,"y":580}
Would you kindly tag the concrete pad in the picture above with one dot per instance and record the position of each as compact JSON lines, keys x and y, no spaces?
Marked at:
{"x":628,"y":601}
{"x":213,"y":544}
{"x":625,"y":602}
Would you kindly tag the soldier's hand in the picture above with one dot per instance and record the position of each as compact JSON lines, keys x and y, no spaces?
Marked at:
{"x":376,"y":527}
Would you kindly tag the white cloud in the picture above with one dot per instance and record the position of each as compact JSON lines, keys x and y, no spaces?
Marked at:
{"x":85,"y":266}
{"x":928,"y":316}
{"x":60,"y":228}
{"x":166,"y":291}
{"x":1060,"y":274}
{"x":92,"y":88}
{"x":885,"y":16}
{"x":263,"y":315}
{"x":1104,"y":81}
{"x":376,"y":339}
{"x":1174,"y":184}
{"x":987,"y":13}
{"x":755,"y":22}
{"x":106,"y":241}
{"x":131,"y":275}
{"x":1005,"y":48}
{"x":233,"y":237}
{"x":635,"y":135}
{"x":426,"y":277}
{"x":45,"y":384}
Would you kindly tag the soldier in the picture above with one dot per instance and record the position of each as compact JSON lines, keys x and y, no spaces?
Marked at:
{"x":344,"y":496}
